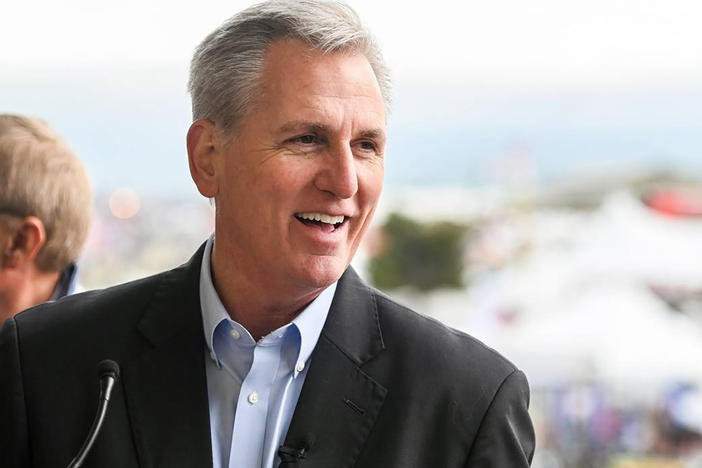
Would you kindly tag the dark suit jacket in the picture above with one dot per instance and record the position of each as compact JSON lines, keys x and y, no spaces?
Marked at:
{"x":386,"y":387}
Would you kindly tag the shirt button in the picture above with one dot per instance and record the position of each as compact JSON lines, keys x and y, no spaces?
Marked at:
{"x":253,"y":398}
{"x":235,"y":333}
{"x":300,"y":366}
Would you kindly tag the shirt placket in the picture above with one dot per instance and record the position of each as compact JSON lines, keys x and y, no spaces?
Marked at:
{"x":278,"y":420}
{"x":248,"y":434}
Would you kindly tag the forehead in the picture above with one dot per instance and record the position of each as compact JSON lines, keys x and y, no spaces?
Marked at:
{"x":298,"y":80}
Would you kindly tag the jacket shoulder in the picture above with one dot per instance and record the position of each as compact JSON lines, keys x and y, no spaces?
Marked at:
{"x":438,"y":347}
{"x":107,"y":307}
{"x":116,"y":305}
{"x":443,"y":377}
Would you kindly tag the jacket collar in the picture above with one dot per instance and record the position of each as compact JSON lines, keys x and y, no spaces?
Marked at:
{"x":170,"y":311}
{"x":339,"y":402}
{"x":166,"y":387}
{"x":353,"y":323}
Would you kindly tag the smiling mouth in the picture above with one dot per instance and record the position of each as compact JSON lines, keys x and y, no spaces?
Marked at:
{"x":325,"y":222}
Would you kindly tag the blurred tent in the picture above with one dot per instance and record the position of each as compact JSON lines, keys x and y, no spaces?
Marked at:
{"x":623,"y":336}
{"x":585,"y":298}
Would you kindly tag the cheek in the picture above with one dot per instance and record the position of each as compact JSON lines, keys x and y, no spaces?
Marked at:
{"x":280,"y":191}
{"x":284,"y":180}
{"x":370,"y":182}
{"x":287,"y":172}
{"x":370,"y":186}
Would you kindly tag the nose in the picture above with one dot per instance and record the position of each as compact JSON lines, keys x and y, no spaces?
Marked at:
{"x":338,"y":175}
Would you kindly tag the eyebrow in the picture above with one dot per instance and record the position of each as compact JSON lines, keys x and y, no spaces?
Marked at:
{"x":375,"y":134}
{"x":297,"y":125}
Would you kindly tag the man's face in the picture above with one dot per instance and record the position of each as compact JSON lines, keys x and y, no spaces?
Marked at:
{"x":298,"y":185}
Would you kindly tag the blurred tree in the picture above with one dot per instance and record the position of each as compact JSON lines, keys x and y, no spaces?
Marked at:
{"x":422,"y":255}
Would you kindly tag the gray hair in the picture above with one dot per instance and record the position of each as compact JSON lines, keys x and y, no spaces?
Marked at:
{"x":227,"y":65}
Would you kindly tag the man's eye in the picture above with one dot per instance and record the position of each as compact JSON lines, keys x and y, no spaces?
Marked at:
{"x":306,"y":139}
{"x":368,"y":146}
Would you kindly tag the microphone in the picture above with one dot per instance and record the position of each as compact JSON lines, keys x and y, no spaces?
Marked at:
{"x":291,"y":455}
{"x":108,"y":373}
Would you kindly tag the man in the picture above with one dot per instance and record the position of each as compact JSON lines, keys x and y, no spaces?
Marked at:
{"x":266,"y":349}
{"x":45,"y":207}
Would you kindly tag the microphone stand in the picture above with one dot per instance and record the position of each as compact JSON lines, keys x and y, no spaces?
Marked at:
{"x":108,"y":372}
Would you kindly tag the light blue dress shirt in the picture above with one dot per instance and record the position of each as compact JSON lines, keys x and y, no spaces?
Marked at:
{"x":253,"y":387}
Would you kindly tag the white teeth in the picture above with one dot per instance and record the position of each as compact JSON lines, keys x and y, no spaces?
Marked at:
{"x":321,"y":217}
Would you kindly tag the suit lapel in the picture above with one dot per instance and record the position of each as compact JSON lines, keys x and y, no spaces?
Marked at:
{"x":166,"y":386}
{"x":339,"y":402}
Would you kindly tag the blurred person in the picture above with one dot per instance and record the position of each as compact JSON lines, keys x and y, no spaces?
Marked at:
{"x":45,"y":210}
{"x":266,"y":349}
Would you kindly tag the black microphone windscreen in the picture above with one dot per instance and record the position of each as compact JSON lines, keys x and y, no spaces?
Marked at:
{"x":108,"y":367}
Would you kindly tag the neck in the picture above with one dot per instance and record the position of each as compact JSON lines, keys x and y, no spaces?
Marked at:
{"x":26,"y":289}
{"x":259,"y":306}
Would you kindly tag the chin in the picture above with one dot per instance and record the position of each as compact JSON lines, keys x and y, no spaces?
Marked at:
{"x":319,"y":272}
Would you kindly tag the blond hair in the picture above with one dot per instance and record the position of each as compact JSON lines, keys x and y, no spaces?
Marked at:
{"x":40,"y":176}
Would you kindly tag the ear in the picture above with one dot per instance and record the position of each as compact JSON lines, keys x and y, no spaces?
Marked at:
{"x":204,"y":152}
{"x":22,"y":245}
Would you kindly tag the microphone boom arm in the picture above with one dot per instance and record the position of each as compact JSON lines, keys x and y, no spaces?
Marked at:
{"x":109,"y":372}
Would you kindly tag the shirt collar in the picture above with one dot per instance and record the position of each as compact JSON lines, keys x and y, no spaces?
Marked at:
{"x":213,"y":311}
{"x":66,"y":283}
{"x":309,"y":322}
